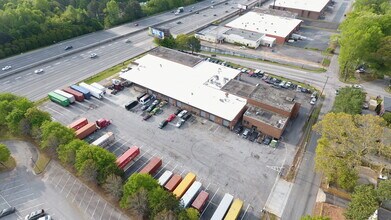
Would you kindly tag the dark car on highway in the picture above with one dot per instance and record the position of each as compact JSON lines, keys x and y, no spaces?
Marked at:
{"x":35,"y":215}
{"x":68,"y":47}
{"x":7,"y":211}
{"x":131,"y":105}
{"x":163,"y":124}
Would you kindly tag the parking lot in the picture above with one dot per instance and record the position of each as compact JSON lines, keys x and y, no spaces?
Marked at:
{"x":222,"y":161}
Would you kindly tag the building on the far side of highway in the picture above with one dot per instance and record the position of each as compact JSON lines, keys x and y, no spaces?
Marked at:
{"x":269,"y":108}
{"x":189,"y":82}
{"x":312,"y":9}
{"x":280,"y":28}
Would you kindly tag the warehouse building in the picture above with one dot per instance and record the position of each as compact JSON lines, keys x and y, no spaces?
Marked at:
{"x":269,"y":109}
{"x":313,"y":9}
{"x":280,"y":28}
{"x":220,"y":34}
{"x":189,"y":82}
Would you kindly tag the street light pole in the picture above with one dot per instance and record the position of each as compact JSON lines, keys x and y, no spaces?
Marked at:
{"x":327,"y":79}
{"x":35,"y":164}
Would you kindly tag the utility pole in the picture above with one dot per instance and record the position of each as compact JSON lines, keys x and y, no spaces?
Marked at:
{"x":35,"y":164}
{"x":327,"y":79}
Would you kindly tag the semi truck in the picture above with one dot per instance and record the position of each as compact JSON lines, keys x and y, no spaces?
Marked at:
{"x":234,"y":211}
{"x":79,"y":123}
{"x":180,"y":10}
{"x":99,"y":86}
{"x":200,"y":201}
{"x":85,"y":92}
{"x":184,"y":185}
{"x":173,"y":182}
{"x":94,"y":91}
{"x":190,"y":194}
{"x":222,"y":208}
{"x":86,"y":130}
{"x":152,"y":166}
{"x":163,"y":179}
{"x":78,"y":96}
{"x":58,"y":99}
{"x":104,"y":140}
{"x":70,"y":97}
{"x":102,"y":123}
{"x":128,"y":156}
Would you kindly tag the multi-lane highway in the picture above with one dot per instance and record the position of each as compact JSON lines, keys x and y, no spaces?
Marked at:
{"x":77,"y":65}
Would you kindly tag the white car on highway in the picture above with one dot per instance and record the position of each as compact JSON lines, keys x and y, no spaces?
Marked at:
{"x":38,"y":71}
{"x":93,"y":55}
{"x":6,"y":68}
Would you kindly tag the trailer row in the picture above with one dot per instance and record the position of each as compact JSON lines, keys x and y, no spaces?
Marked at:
{"x":69,"y":95}
{"x":187,"y":190}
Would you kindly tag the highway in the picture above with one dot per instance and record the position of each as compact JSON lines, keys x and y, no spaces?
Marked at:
{"x":76,"y":66}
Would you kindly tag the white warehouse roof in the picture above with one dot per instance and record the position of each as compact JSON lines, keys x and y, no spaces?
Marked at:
{"x":265,"y":23}
{"x":307,"y":5}
{"x":198,"y":86}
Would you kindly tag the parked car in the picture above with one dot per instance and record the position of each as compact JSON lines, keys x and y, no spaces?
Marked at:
{"x":156,"y":102}
{"x":180,"y":123}
{"x":171,"y":117}
{"x":155,"y":110}
{"x":253,"y":136}
{"x":163,"y":124}
{"x":144,"y":107}
{"x":336,"y":92}
{"x":186,"y":116}
{"x":238,"y":129}
{"x":46,"y":217}
{"x":313,"y":101}
{"x":147,"y":116}
{"x":131,"y":105}
{"x":245,"y":133}
{"x":274,"y":143}
{"x":35,"y":215}
{"x":365,"y":105}
{"x":288,"y":85}
{"x":151,"y":107}
{"x":282,"y":84}
{"x":357,"y":86}
{"x":68,"y":47}
{"x":162,"y":104}
{"x":7,"y":211}
{"x":182,"y":113}
{"x":314,"y":94}
{"x":178,"y":111}
{"x":267,"y":140}
{"x":114,"y":91}
{"x":6,"y":68}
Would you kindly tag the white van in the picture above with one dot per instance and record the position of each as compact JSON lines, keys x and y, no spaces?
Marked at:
{"x":145,"y":99}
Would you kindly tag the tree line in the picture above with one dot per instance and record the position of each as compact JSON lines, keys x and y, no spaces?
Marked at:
{"x":26,"y":25}
{"x":365,"y":38}
{"x":140,"y":194}
{"x":181,"y":42}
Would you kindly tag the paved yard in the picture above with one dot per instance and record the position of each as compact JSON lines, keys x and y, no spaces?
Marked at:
{"x":222,"y":161}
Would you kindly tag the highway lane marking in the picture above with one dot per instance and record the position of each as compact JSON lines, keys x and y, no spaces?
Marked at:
{"x":66,"y":183}
{"x":209,"y":202}
{"x":101,"y":216}
{"x":19,"y":77}
{"x":74,"y":57}
{"x":57,"y":63}
{"x":28,"y":74}
{"x":6,"y":82}
{"x":46,"y":67}
{"x":245,"y":212}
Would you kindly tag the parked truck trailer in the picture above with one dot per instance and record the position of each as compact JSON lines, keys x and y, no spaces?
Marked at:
{"x":190,"y":194}
{"x":94,"y":91}
{"x":85,"y":92}
{"x":200,"y":201}
{"x":222,"y":208}
{"x":86,"y":130}
{"x":163,"y":179}
{"x":105,"y":140}
{"x":184,"y":185}
{"x":173,"y":182}
{"x":152,"y":166}
{"x":99,"y":86}
{"x":58,"y":99}
{"x":79,"y":123}
{"x":78,"y":96}
{"x":70,"y":97}
{"x":128,"y":156}
{"x":234,"y":211}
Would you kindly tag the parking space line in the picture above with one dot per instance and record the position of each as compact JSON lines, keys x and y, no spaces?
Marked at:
{"x":112,"y":210}
{"x":31,"y":200}
{"x":161,"y":169}
{"x":95,"y":209}
{"x":139,"y":158}
{"x":21,"y":197}
{"x":120,"y":215}
{"x":66,"y":183}
{"x":207,"y":187}
{"x":5,"y":200}
{"x":60,"y":179}
{"x":89,"y":203}
{"x":101,"y":216}
{"x":77,"y":193}
{"x":145,"y":163}
{"x":209,"y":202}
{"x":182,"y":171}
{"x":245,"y":212}
{"x":12,"y":187}
{"x":83,"y":197}
{"x":71,"y":188}
{"x":30,"y":207}
{"x":13,"y":194}
{"x":174,"y":167}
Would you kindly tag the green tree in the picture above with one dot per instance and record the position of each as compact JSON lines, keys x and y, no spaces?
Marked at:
{"x":137,"y":203}
{"x":166,"y":215}
{"x":168,"y":42}
{"x":159,"y":200}
{"x":55,"y":134}
{"x":113,"y":186}
{"x":308,"y":217}
{"x":134,"y":183}
{"x":384,"y":190}
{"x":20,"y":106}
{"x":112,"y":13}
{"x":349,"y":100}
{"x":347,"y":177}
{"x":194,"y":44}
{"x":363,"y":204}
{"x":5,"y":153}
{"x":181,"y":42}
{"x":189,"y":214}
{"x":387,"y":117}
{"x":67,"y":152}
{"x":89,"y":171}
{"x":36,"y":117}
{"x":104,"y":160}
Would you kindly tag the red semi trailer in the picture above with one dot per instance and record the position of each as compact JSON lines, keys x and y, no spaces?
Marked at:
{"x":128,"y":156}
{"x":152,"y":166}
{"x":173,"y":182}
{"x":86,"y":130}
{"x":76,"y":125}
{"x":200,"y":201}
{"x":78,"y":96}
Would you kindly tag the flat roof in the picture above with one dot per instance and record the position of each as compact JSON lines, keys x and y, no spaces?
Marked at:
{"x":265,"y":24}
{"x":273,"y":96}
{"x":307,"y":5}
{"x":239,"y":88}
{"x":266,"y":116}
{"x":248,"y":35}
{"x":198,"y":86}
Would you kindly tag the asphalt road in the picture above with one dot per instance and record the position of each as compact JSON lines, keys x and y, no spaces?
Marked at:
{"x":73,"y":68}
